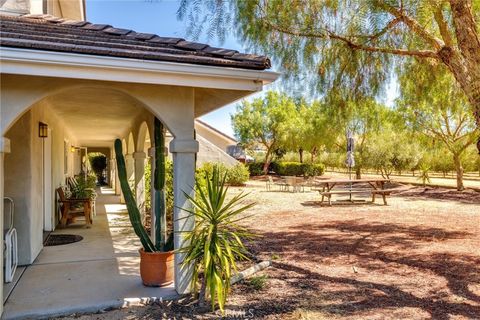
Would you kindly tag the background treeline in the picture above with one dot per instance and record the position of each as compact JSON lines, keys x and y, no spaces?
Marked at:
{"x":426,"y":132}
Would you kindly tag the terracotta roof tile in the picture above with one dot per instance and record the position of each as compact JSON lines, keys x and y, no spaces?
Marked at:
{"x":45,"y":32}
{"x":117,"y":31}
{"x":191,"y":45}
{"x":165,"y":40}
{"x":96,"y":27}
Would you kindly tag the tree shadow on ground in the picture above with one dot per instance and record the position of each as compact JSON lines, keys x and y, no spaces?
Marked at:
{"x":371,"y":246}
{"x":443,"y":194}
{"x":343,"y":203}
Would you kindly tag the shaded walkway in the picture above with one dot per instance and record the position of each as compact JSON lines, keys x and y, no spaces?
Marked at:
{"x":101,"y":271}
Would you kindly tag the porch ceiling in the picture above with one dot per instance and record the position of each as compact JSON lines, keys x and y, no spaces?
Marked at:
{"x":93,"y":117}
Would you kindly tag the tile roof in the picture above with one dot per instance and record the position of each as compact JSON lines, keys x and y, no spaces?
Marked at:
{"x":46,"y":32}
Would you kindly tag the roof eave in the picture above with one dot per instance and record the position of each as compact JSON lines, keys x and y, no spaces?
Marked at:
{"x":81,"y":66}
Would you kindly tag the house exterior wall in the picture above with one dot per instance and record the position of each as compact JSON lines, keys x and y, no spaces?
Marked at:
{"x":24,"y":175}
{"x":218,"y":139}
{"x":4,"y":149}
{"x":209,"y":152}
{"x":15,"y":6}
{"x":69,"y":9}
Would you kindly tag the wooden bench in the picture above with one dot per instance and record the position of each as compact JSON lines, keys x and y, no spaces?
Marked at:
{"x":68,"y":210}
{"x":383,"y":192}
{"x":328,"y":194}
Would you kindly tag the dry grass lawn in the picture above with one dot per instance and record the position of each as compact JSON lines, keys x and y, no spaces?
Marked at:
{"x":417,"y":258}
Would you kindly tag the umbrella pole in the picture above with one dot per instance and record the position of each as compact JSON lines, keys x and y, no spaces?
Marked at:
{"x":350,"y":178}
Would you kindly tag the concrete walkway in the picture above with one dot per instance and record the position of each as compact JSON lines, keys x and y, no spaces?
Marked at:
{"x":101,"y":271}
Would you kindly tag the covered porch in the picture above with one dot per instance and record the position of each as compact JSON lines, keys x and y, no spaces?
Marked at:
{"x":87,"y":99}
{"x":101,"y":271}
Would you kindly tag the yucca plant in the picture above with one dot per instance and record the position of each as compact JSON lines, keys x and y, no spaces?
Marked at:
{"x":216,"y":242}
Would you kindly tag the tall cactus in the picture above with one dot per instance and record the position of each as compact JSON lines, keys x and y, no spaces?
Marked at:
{"x":159,"y":187}
{"x":133,"y":212}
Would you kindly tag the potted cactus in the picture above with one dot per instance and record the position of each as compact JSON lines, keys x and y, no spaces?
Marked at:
{"x":156,"y":257}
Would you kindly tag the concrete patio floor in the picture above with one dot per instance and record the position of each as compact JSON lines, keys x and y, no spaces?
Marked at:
{"x":101,"y":271}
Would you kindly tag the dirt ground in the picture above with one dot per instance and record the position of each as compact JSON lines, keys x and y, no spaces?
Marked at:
{"x":417,"y":258}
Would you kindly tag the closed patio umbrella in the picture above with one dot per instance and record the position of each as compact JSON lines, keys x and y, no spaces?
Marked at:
{"x":350,"y":161}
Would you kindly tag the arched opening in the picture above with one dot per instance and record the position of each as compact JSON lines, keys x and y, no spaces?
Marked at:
{"x":143,"y":173}
{"x":79,"y":122}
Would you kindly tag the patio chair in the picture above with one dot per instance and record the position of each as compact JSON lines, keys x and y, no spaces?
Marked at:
{"x":70,"y":210}
{"x":270,"y":183}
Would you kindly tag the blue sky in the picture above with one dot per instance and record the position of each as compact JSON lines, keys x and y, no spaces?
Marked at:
{"x":159,"y":17}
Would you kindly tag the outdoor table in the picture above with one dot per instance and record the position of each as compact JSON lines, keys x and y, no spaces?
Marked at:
{"x":324,"y":187}
{"x":327,"y":185}
{"x":295,"y":182}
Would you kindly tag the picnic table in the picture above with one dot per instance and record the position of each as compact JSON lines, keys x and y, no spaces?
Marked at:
{"x":324,"y":187}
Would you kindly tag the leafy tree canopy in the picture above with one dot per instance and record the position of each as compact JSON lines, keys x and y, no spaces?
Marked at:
{"x":351,"y":45}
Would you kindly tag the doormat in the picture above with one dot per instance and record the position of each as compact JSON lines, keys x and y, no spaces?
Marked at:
{"x":60,"y":239}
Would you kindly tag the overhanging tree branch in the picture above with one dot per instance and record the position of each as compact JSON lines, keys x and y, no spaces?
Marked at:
{"x":413,"y":25}
{"x":442,"y":26}
{"x":354,"y":45}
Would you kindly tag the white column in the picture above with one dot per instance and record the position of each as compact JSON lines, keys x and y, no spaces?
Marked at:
{"x":183,"y":181}
{"x":113,"y":174}
{"x":4,"y":148}
{"x":118,"y":189}
{"x":130,"y":167}
{"x":139,"y":158}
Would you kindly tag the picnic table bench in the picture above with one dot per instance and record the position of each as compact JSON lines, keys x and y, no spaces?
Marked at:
{"x":324,"y":187}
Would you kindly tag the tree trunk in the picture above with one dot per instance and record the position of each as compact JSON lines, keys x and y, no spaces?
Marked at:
{"x":358,"y":172}
{"x":313,"y":154}
{"x":465,"y":63}
{"x":266,"y":164}
{"x":300,"y":154}
{"x":459,"y":170}
{"x":201,"y":294}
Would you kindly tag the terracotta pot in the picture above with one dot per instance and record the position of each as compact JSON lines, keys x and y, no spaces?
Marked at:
{"x":156,"y":268}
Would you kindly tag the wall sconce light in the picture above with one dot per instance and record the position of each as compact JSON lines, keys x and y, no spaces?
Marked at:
{"x":73,"y":149}
{"x":42,"y":130}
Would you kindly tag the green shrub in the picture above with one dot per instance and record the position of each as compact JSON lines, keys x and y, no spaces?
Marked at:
{"x":314,"y":169}
{"x":255,"y":168}
{"x":257,"y":282}
{"x":168,"y":187}
{"x":237,"y":175}
{"x":148,"y":187}
{"x":289,"y":168}
{"x":205,"y":170}
{"x":98,"y":163}
{"x":85,"y":187}
{"x":298,"y":169}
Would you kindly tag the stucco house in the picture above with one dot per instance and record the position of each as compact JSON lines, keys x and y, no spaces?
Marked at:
{"x":88,"y":84}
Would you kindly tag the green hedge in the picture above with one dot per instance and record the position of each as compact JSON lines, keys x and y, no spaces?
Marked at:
{"x":314,"y":169}
{"x":255,"y":168}
{"x":298,"y":169}
{"x":237,"y":175}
